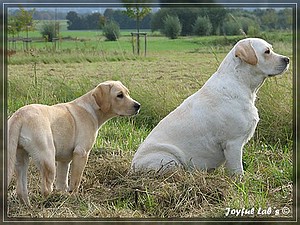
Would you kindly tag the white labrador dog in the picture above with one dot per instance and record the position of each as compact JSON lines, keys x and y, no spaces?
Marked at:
{"x":64,"y":133}
{"x":212,"y":126}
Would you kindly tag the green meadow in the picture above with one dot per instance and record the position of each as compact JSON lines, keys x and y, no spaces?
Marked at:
{"x":171,"y":71}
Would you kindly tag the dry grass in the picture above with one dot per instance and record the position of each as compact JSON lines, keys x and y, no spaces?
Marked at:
{"x":110,"y":190}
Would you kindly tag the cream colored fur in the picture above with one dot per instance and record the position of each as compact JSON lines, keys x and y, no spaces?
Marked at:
{"x":62,"y":134}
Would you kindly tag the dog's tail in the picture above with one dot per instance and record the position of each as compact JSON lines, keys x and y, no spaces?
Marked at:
{"x":13,"y":130}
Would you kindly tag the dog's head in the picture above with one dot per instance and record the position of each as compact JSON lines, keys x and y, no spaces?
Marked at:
{"x":112,"y":97}
{"x":259,"y":54}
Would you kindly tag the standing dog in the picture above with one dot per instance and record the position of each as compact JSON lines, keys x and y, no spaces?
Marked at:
{"x":64,"y":132}
{"x":212,"y":126}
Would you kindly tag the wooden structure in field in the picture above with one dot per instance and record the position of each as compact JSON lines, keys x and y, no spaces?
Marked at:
{"x":137,"y":35}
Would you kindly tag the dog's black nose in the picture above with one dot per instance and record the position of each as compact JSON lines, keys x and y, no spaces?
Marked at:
{"x":286,"y":60}
{"x":137,"y":106}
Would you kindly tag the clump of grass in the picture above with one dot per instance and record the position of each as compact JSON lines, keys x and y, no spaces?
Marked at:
{"x":275,"y":104}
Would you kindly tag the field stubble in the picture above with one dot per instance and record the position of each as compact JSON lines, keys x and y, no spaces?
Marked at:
{"x":160,"y":83}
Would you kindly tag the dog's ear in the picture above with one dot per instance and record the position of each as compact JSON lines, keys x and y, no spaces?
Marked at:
{"x":245,"y":52}
{"x":101,"y":95}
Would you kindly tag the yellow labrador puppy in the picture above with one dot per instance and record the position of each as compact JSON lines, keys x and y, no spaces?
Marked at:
{"x":64,"y":132}
{"x":212,"y":126}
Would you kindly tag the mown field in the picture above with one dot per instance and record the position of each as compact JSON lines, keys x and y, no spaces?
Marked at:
{"x":171,"y":71}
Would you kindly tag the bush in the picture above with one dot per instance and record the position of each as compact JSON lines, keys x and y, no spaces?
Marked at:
{"x":111,"y":31}
{"x":48,"y":30}
{"x":230,"y":27}
{"x":238,"y":24}
{"x":202,"y":26}
{"x":253,"y":30}
{"x":172,"y":27}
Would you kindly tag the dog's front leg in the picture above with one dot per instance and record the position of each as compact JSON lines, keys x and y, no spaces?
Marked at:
{"x":233,"y":155}
{"x":80,"y":157}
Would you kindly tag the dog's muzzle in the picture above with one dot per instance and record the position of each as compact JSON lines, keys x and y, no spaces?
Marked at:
{"x":282,"y":67}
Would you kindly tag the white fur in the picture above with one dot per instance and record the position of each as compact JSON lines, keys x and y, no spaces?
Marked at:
{"x":212,"y":125}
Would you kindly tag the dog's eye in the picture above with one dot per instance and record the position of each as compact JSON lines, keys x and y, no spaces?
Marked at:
{"x":120,"y":95}
{"x":267,"y":51}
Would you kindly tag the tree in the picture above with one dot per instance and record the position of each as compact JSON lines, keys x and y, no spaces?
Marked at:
{"x":88,"y":22}
{"x":188,"y":16}
{"x":137,"y":13}
{"x":111,"y":31}
{"x":159,"y":16}
{"x":25,"y":19}
{"x":93,"y":21}
{"x":102,"y":21}
{"x":217,"y":17}
{"x":49,"y":30}
{"x":285,"y":18}
{"x":125,"y":21}
{"x":270,"y":18}
{"x":202,"y":26}
{"x":231,"y":27}
{"x":74,"y":21}
{"x":108,"y":14}
{"x":13,"y":26}
{"x":172,"y":27}
{"x":22,"y":21}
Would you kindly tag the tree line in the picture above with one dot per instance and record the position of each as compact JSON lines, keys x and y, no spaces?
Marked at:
{"x":222,"y":20}
{"x":191,"y":21}
{"x":97,"y":21}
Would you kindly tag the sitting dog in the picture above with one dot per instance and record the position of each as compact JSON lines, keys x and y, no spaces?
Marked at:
{"x":212,"y":125}
{"x":64,"y":133}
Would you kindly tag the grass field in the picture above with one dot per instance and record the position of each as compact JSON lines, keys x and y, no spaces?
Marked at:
{"x":172,"y":70}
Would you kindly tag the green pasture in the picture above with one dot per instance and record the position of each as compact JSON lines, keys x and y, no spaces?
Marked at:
{"x":94,"y":40}
{"x":171,"y":71}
